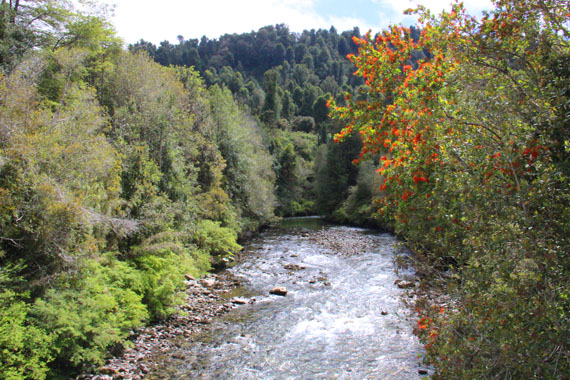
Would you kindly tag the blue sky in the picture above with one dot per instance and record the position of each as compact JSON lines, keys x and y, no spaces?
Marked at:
{"x":164,"y":20}
{"x":370,"y":12}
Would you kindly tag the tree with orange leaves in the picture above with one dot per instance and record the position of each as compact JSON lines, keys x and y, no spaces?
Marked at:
{"x":474,"y":155}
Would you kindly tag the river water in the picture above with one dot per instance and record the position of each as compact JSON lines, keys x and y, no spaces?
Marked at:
{"x":342,"y":318}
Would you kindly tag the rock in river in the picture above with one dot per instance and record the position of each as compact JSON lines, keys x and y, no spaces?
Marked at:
{"x":279,"y":291}
{"x":404,"y":284}
{"x":208,"y":282}
{"x":240,"y":300}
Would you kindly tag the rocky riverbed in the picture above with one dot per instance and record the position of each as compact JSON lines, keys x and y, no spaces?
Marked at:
{"x":347,"y":243}
{"x":203,"y":301}
{"x":308,"y":283}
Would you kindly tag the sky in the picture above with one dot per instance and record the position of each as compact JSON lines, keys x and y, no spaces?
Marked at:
{"x":157,"y":21}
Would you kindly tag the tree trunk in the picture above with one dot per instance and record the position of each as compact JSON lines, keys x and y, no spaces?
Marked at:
{"x":13,"y":10}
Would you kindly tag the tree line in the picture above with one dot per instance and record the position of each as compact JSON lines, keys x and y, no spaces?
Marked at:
{"x":285,"y":80}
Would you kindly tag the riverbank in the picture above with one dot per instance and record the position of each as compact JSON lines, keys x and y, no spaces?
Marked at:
{"x":204,"y":300}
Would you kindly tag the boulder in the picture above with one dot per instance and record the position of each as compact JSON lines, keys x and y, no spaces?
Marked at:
{"x":208,"y":282}
{"x":240,"y":300}
{"x":279,"y":291}
{"x":294,"y":267}
{"x":404,"y":284}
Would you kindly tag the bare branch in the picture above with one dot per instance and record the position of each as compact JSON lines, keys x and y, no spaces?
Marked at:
{"x":11,"y":241}
{"x":120,"y":226}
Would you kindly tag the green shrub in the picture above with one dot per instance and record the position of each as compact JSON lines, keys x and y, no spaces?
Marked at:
{"x":162,"y":277}
{"x":92,"y":311}
{"x":303,"y":207}
{"x":25,"y":348}
{"x":216,"y":241}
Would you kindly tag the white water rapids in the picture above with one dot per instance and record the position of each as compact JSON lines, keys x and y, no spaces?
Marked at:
{"x":342,"y":318}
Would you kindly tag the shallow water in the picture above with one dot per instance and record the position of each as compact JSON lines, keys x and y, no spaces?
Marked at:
{"x":341,"y":319}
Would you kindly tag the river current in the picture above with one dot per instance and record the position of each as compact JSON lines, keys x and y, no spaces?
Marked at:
{"x":342,"y":318}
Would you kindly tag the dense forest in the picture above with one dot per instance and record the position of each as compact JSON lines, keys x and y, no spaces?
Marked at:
{"x":122,"y":170}
{"x":118,"y":177}
{"x":286,"y":80}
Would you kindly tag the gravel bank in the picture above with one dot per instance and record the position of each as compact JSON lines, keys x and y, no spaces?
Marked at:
{"x":203,"y":302}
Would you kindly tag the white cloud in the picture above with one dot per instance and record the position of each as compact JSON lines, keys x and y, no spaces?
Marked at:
{"x":434,"y":5}
{"x":157,"y":21}
{"x":165,"y":20}
{"x":348,"y":23}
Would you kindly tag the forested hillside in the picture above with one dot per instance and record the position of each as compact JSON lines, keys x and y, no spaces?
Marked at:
{"x":285,"y":80}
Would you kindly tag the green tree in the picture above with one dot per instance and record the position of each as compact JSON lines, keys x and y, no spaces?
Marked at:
{"x":25,"y":348}
{"x":248,"y":171}
{"x":320,"y":109}
{"x":272,"y":104}
{"x":29,"y":24}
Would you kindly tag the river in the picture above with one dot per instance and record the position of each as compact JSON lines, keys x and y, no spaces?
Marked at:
{"x":342,"y":318}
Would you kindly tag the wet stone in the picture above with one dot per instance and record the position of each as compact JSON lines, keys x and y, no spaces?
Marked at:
{"x":208,"y":282}
{"x":294,"y":267}
{"x":279,"y":291}
{"x":239,"y":300}
{"x":404,"y":284}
